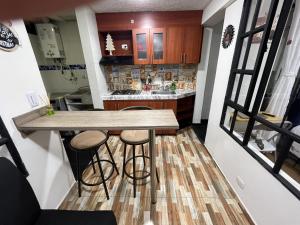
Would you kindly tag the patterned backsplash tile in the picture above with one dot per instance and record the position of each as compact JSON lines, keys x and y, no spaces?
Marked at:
{"x":135,"y":76}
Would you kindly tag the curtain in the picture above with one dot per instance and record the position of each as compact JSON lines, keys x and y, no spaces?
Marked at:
{"x":282,"y":91}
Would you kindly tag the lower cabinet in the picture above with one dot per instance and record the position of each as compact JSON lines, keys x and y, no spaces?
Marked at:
{"x":183,"y":109}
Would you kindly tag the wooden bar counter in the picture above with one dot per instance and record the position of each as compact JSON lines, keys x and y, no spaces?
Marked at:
{"x":103,"y":120}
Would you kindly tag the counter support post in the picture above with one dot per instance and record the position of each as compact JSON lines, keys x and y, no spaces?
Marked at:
{"x":153,"y":165}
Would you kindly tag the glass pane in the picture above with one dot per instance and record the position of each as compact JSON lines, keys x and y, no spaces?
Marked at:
{"x":243,"y":51}
{"x":240,"y":125}
{"x":262,"y":15}
{"x":228,"y":117}
{"x":253,"y":52}
{"x":236,"y":81}
{"x":244,"y":90}
{"x":259,"y":78}
{"x":141,"y":46}
{"x":158,"y":45}
{"x":251,"y":14}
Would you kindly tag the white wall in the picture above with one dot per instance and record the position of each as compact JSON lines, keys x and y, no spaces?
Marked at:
{"x":54,"y":80}
{"x":42,"y":152}
{"x":202,"y":74}
{"x":88,"y":31}
{"x":265,"y":198}
{"x":215,"y":7}
{"x":211,"y":69}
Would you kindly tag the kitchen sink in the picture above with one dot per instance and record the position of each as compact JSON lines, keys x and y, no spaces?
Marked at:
{"x":163,"y":92}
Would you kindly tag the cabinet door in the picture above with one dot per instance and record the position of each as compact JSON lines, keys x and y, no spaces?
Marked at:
{"x":141,"y":47}
{"x":158,"y":45}
{"x":154,"y":104}
{"x":192,"y":44}
{"x":175,"y":36}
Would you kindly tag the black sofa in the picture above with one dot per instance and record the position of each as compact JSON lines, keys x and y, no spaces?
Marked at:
{"x":19,"y":205}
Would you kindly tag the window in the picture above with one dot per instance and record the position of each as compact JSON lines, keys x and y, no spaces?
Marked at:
{"x":257,"y":111}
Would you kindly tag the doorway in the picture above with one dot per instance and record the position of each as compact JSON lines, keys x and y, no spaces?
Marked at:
{"x":216,"y":26}
{"x":57,"y":47}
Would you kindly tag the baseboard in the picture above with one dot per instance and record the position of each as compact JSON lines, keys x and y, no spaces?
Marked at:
{"x":231,"y":186}
{"x":204,"y":121}
{"x":67,"y":193}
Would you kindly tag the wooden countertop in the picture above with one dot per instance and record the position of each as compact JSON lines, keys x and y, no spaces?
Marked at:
{"x":98,"y":120}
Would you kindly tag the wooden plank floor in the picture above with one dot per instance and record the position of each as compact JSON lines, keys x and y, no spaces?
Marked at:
{"x":192,"y":189}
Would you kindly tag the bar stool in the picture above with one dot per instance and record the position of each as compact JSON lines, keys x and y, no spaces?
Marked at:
{"x":90,"y":141}
{"x":135,"y":137}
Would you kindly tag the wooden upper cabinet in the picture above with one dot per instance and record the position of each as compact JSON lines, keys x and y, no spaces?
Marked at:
{"x":175,"y":36}
{"x":149,"y":46}
{"x":184,"y":44}
{"x":141,"y":46}
{"x":170,"y":37}
{"x":158,"y":45}
{"x":192,"y":44}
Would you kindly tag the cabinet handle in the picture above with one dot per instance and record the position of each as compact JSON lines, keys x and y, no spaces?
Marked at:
{"x":181,"y":58}
{"x":185,"y":58}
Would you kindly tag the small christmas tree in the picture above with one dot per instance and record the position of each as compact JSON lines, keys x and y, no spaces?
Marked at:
{"x":109,"y":44}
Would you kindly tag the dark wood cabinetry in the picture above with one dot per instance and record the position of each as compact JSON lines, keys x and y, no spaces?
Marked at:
{"x":141,"y":46}
{"x":158,"y":40}
{"x":124,"y":21}
{"x":183,"y":109}
{"x":149,"y":46}
{"x":174,"y":45}
{"x":170,"y":37}
{"x":184,"y":44}
{"x":192,"y":44}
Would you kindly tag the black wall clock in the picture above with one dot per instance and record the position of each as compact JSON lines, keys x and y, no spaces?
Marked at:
{"x":8,"y":38}
{"x":228,"y":36}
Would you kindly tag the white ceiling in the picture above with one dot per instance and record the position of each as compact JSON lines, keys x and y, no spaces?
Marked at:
{"x":101,"y":6}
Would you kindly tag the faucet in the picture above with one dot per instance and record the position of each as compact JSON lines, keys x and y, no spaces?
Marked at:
{"x":163,"y":87}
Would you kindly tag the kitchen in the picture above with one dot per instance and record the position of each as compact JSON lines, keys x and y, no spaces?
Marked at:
{"x":164,"y":49}
{"x":154,"y":66}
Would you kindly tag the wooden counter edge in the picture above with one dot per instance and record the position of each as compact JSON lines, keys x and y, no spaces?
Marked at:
{"x":27,"y":117}
{"x":21,"y":120}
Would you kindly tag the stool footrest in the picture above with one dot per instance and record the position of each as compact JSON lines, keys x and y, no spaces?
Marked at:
{"x":98,"y":183}
{"x":140,"y":177}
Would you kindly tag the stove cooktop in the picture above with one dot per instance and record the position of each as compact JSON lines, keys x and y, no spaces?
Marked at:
{"x":126,"y":92}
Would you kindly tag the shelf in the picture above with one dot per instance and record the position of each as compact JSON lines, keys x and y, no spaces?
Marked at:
{"x":119,"y":38}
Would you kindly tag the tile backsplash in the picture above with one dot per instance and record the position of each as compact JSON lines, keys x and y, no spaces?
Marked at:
{"x":134,"y":76}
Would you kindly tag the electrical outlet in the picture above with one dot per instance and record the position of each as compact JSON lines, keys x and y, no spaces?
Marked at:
{"x":132,"y":21}
{"x":32,"y":99}
{"x":124,"y":47}
{"x":240,"y":182}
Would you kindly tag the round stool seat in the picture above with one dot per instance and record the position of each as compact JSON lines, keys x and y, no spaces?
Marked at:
{"x":88,"y":139}
{"x":135,"y":136}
